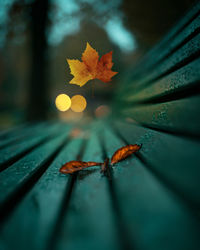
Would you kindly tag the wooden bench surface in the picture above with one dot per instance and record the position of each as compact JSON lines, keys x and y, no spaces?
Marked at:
{"x":151,"y":201}
{"x":162,"y":91}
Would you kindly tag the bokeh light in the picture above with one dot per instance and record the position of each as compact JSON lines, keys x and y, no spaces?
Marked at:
{"x":63,"y":102}
{"x":102,"y":111}
{"x":78,"y":103}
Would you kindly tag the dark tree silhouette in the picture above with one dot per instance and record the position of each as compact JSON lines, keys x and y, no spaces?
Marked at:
{"x":38,"y":96}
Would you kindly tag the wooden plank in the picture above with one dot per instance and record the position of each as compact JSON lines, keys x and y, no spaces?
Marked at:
{"x":89,"y":221}
{"x":11,"y":130}
{"x":175,"y":62}
{"x":11,"y":153}
{"x":161,"y":53}
{"x":135,"y":83}
{"x":175,"y":159}
{"x":21,"y":172}
{"x":154,"y":216}
{"x":180,"y":79}
{"x":174,"y":31}
{"x":18,"y":134}
{"x":180,"y":116}
{"x":33,"y":221}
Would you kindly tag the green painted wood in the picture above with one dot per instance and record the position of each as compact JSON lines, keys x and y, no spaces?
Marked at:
{"x":20,"y":133}
{"x":160,"y":53}
{"x":12,"y":130}
{"x":181,"y":57}
{"x":20,"y":172}
{"x":89,"y":220}
{"x":33,"y":221}
{"x":17,"y":149}
{"x":183,"y":78}
{"x":149,"y":204}
{"x":154,"y":217}
{"x":175,"y":159}
{"x":179,"y":116}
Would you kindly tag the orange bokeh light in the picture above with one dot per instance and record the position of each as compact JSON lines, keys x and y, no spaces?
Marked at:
{"x":78,"y":103}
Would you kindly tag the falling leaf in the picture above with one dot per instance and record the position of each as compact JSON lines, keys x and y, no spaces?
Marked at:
{"x":90,"y":58}
{"x":124,"y":152}
{"x":74,"y":166}
{"x":80,"y":72}
{"x":104,"y":166}
{"x":91,"y":67}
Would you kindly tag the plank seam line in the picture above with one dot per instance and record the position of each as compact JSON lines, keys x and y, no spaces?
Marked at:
{"x":28,"y":133}
{"x":192,"y":89}
{"x":166,"y":56}
{"x":70,"y":185}
{"x":184,"y":42}
{"x":17,"y":139}
{"x":52,"y":240}
{"x":10,"y":131}
{"x":123,"y":233}
{"x":14,"y":199}
{"x":163,"y":44}
{"x":189,"y":204}
{"x":185,"y":134}
{"x":177,"y":66}
{"x":14,"y":159}
{"x":174,"y":68}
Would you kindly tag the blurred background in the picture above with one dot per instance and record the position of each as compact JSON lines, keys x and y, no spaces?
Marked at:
{"x":36,"y":37}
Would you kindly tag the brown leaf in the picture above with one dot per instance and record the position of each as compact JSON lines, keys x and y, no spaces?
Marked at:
{"x":124,"y":152}
{"x":74,"y":166}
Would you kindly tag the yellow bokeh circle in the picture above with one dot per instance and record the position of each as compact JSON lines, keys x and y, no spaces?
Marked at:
{"x":78,"y":103}
{"x":63,"y":102}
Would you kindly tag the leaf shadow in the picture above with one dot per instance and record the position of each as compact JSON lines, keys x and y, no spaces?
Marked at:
{"x":84,"y":173}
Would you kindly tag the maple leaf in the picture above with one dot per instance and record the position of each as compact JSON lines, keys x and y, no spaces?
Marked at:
{"x":74,"y":166}
{"x":80,"y":72}
{"x":124,"y":152}
{"x":91,"y":67}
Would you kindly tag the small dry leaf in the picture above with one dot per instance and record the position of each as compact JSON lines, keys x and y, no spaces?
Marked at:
{"x":74,"y":166}
{"x":124,"y":152}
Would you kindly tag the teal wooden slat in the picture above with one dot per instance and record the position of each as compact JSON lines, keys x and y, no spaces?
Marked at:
{"x":189,"y":50}
{"x":20,"y":133}
{"x":181,"y":78}
{"x":170,"y":47}
{"x":15,"y":176}
{"x":173,"y":32}
{"x":89,"y":221}
{"x":12,"y":130}
{"x":154,"y":217}
{"x":180,"y":116}
{"x":18,"y":148}
{"x":32,"y":222}
{"x":174,"y":158}
{"x":145,"y":62}
{"x":135,"y":84}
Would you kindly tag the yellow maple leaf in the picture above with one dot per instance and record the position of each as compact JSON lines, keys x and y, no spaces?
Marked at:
{"x":91,"y":67}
